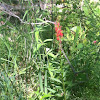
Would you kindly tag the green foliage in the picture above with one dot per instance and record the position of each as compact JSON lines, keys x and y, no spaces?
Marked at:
{"x":32,"y":66}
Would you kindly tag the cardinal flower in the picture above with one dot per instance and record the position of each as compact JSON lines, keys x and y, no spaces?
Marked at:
{"x":58,"y":30}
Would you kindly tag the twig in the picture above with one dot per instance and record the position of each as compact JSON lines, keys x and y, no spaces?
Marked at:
{"x":70,"y":63}
{"x":14,"y":15}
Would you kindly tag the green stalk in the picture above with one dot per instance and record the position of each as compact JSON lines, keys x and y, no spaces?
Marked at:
{"x":61,"y":64}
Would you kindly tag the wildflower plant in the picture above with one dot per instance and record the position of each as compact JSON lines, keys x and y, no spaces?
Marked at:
{"x":58,"y":31}
{"x":59,"y":35}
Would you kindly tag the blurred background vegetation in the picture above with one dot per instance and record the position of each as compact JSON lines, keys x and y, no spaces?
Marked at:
{"x":32,"y":66}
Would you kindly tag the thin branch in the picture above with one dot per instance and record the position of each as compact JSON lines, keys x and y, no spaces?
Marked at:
{"x":14,"y":15}
{"x":47,"y":21}
{"x":70,"y":63}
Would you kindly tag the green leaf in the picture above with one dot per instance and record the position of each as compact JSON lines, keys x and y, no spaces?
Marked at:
{"x":74,"y":29}
{"x":51,"y":69}
{"x":58,"y":87}
{"x":45,"y":85}
{"x":52,"y":55}
{"x":80,"y":45}
{"x":23,"y":71}
{"x":25,"y":14}
{"x":51,"y":90}
{"x":46,"y":95}
{"x":86,"y":10}
{"x":7,"y":60}
{"x":48,"y":40}
{"x":37,"y":36}
{"x":40,"y":80}
{"x":55,"y":79}
{"x":59,"y":95}
{"x":88,"y":22}
{"x":37,"y":48}
{"x":77,"y":33}
{"x":39,"y":19}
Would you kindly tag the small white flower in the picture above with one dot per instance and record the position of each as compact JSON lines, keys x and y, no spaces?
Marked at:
{"x":10,"y":39}
{"x":47,"y":49}
{"x":60,"y":10}
{"x":60,"y":6}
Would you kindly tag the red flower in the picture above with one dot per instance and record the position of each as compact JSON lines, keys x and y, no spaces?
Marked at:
{"x":61,"y":34}
{"x":58,"y":38}
{"x":94,"y":42}
{"x":58,"y":30}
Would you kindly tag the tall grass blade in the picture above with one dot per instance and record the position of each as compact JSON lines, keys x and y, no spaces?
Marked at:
{"x":40,"y":80}
{"x":45,"y":85}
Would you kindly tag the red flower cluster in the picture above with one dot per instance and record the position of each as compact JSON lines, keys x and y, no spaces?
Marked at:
{"x":94,"y":42}
{"x":58,"y":30}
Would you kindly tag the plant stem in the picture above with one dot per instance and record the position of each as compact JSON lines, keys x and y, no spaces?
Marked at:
{"x":64,"y":90}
